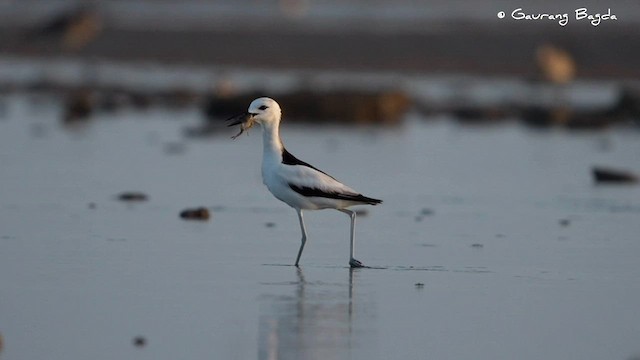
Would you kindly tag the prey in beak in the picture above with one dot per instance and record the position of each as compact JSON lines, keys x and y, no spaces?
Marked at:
{"x":245,"y":120}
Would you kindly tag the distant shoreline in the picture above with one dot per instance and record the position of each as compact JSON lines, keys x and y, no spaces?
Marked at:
{"x":505,"y":48}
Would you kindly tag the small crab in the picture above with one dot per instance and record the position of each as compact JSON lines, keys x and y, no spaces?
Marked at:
{"x":245,"y":120}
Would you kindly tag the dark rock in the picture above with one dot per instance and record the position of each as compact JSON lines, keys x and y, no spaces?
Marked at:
{"x":427,"y":212}
{"x":603,"y":175}
{"x":200,"y":213}
{"x":139,"y":341}
{"x":133,"y":196}
{"x":79,"y":106}
{"x":564,"y":222}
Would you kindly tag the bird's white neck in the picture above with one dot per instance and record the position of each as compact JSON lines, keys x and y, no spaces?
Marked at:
{"x":272,"y":145}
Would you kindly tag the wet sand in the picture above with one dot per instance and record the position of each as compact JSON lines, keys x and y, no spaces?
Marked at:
{"x":492,"y":243}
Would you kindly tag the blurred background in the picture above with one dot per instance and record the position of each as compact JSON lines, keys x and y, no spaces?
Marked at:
{"x":358,"y":61}
{"x":506,"y":152}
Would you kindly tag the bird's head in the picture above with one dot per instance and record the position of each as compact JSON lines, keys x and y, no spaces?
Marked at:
{"x":264,"y":111}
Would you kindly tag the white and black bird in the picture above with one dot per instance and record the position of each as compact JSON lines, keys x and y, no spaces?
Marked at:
{"x":293,"y":181}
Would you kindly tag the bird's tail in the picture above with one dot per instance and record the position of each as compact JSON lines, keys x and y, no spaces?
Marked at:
{"x":367,"y":200}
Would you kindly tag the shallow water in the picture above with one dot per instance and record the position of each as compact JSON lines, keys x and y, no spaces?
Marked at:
{"x":491,"y":243}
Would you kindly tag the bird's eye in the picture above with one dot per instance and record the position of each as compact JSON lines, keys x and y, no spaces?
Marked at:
{"x":263,"y":107}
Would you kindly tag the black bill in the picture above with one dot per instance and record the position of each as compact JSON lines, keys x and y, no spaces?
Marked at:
{"x":240,"y":119}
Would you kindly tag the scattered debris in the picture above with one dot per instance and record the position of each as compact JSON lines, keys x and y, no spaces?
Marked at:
{"x":79,"y":106}
{"x":602,"y":175}
{"x":427,"y":212}
{"x":133,"y":196}
{"x":200,"y":213}
{"x":139,"y":341}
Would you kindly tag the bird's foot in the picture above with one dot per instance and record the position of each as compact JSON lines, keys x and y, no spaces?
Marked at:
{"x":355,"y":263}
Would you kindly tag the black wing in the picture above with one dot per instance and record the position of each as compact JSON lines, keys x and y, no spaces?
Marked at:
{"x":289,"y":159}
{"x":313,"y":192}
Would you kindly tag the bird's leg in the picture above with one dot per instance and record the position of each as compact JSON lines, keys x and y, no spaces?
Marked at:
{"x":304,"y":235}
{"x":352,"y":261}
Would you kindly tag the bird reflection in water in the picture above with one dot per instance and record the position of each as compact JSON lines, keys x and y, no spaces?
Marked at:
{"x":318,"y":320}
